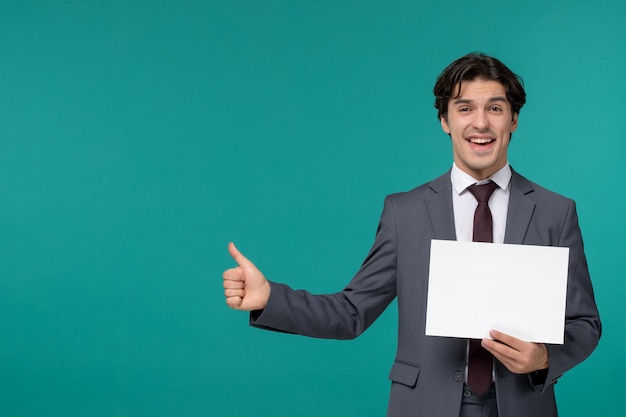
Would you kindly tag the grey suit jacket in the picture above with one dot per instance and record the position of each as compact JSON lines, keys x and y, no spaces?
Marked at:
{"x":428,"y":373}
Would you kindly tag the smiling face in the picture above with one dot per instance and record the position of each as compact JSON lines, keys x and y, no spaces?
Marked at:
{"x":480,"y":123}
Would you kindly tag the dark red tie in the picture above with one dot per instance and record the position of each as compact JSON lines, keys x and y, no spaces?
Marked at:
{"x":481,"y":361}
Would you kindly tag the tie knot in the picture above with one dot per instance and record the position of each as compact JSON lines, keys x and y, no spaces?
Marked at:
{"x":483,"y":192}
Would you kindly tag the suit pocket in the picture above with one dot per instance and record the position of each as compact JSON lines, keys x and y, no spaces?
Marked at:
{"x":404,"y":373}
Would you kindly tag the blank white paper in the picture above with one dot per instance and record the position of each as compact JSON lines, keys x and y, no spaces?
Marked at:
{"x":516,"y":289}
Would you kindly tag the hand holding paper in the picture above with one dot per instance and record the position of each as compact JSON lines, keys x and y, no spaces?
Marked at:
{"x":518,"y":356}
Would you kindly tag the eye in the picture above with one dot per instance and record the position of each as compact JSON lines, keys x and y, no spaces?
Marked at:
{"x":496,"y":109}
{"x":464,"y":109}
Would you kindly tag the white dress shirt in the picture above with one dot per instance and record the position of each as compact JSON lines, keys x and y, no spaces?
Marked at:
{"x":464,"y":203}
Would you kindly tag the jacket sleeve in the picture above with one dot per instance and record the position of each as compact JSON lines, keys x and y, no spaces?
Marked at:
{"x":582,"y":321}
{"x":346,"y":314}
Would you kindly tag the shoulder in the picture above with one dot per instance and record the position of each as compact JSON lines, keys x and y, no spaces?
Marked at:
{"x":536,"y":192}
{"x":438,"y":185}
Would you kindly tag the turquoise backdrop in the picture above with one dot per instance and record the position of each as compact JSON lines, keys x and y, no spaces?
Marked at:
{"x":137,"y":138}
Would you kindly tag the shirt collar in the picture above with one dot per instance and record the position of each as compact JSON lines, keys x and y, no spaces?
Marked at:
{"x":461,"y":180}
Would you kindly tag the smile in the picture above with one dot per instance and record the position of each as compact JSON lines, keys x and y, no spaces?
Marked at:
{"x":480,"y":141}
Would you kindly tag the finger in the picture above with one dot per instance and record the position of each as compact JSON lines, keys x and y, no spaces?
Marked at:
{"x":500,"y":350}
{"x":234,"y":302}
{"x":508,"y":340}
{"x":233,"y":274}
{"x":229,"y":292}
{"x":238,"y":256}
{"x":235,"y":285}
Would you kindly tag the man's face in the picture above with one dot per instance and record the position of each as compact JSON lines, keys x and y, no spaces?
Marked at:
{"x":480,"y":123}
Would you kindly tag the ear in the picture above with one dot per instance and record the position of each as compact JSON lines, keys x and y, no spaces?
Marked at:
{"x":514,"y":122}
{"x":444,"y":124}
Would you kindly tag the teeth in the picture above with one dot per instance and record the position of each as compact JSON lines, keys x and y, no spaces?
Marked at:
{"x":480,"y":140}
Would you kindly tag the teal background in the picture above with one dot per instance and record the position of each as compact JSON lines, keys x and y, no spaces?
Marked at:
{"x":137,"y":138}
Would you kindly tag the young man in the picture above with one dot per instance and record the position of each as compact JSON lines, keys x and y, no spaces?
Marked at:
{"x":478,"y":99}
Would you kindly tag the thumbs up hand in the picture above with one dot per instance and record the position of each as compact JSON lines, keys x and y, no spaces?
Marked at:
{"x":245,"y":287}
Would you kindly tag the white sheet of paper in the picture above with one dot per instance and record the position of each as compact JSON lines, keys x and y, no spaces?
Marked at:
{"x":517,"y":289}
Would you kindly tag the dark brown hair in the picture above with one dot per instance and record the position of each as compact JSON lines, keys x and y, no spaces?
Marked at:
{"x":473,"y":66}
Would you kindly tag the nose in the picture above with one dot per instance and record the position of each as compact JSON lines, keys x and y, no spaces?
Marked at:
{"x":481,"y":121}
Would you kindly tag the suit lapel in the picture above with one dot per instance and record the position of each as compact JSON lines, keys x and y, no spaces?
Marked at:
{"x":440,"y":208}
{"x":521,"y":209}
{"x":520,"y":212}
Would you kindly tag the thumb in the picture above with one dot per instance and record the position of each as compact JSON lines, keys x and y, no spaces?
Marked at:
{"x":238,"y":256}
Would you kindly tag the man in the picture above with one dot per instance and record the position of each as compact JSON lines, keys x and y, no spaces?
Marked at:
{"x":478,"y":99}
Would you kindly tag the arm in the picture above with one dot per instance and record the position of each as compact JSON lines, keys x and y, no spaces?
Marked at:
{"x":343,"y":315}
{"x":582,"y":321}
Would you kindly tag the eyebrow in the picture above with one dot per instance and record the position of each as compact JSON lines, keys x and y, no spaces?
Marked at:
{"x":468,"y":101}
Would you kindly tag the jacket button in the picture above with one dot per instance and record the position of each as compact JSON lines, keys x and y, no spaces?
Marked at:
{"x":458,"y":376}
